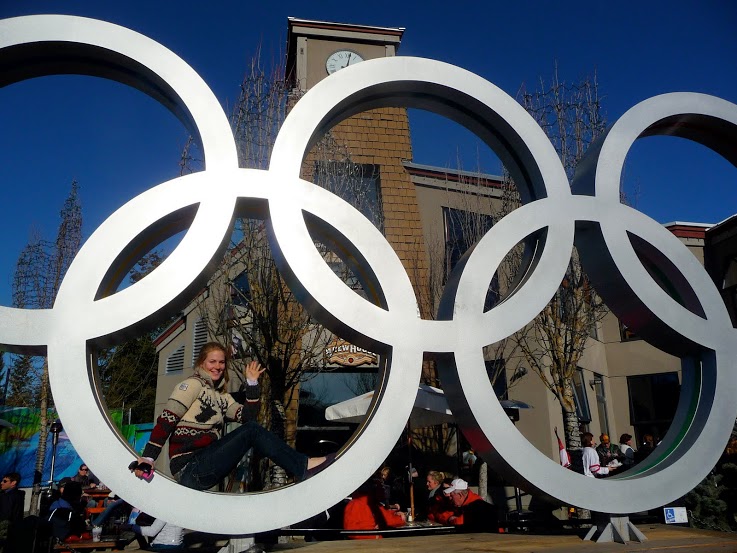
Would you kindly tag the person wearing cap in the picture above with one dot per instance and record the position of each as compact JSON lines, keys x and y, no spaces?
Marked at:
{"x":472,"y":514}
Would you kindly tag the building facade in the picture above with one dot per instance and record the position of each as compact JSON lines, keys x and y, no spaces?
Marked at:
{"x":623,"y":385}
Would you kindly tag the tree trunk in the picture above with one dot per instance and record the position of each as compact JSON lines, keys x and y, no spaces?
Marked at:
{"x":570,"y":418}
{"x":291,"y":415}
{"x":484,"y":481}
{"x":277,"y":476}
{"x":42,"y":437}
{"x":571,"y":430}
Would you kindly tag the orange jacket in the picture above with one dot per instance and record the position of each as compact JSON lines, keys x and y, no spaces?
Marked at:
{"x":364,"y":513}
{"x":476,"y":515}
{"x":440,"y":508}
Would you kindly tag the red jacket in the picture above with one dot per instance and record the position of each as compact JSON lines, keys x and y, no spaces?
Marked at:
{"x":440,"y":508}
{"x":363,"y":512}
{"x":476,"y":515}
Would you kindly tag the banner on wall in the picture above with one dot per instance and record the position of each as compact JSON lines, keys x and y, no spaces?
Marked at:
{"x":19,"y":443}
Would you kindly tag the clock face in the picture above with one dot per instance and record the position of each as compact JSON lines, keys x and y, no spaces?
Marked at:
{"x":340,"y":59}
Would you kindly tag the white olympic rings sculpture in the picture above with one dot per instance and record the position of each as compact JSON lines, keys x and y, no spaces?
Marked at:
{"x":606,"y":232}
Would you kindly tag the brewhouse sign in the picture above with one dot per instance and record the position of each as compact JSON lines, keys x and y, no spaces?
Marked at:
{"x":340,"y":352}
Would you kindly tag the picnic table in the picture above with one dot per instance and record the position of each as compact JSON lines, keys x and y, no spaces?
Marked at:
{"x":411,"y":529}
{"x":105,"y":543}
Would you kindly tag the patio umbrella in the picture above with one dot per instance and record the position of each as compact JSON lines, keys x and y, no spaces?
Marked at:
{"x":514,"y":404}
{"x":430,"y":408}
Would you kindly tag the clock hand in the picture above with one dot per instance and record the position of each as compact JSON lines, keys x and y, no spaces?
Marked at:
{"x":348,"y":60}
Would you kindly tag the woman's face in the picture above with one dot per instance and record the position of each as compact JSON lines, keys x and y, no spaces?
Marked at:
{"x":431,"y":483}
{"x":214,"y":364}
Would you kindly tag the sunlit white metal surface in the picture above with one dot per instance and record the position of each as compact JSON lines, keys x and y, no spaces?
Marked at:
{"x":86,"y":314}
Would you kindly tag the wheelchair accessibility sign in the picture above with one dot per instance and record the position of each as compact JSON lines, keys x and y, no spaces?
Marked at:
{"x":675,"y":515}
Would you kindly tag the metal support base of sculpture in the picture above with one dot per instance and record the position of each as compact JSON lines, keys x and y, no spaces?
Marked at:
{"x":612,"y":528}
{"x":239,"y":544}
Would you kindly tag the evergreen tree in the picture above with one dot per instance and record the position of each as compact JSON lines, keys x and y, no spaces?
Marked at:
{"x":22,"y":382}
{"x":128,"y":378}
{"x":39,"y":271}
{"x":708,"y":509}
{"x":128,"y":372}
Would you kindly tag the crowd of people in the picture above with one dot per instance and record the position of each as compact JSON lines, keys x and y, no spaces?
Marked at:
{"x":69,"y":519}
{"x":376,"y":505}
{"x":200,"y":456}
{"x":607,"y":458}
{"x":68,"y":515}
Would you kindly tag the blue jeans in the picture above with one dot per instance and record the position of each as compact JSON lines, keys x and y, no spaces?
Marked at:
{"x":211,"y":464}
{"x":100,"y":519}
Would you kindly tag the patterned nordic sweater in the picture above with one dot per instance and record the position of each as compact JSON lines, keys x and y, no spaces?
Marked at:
{"x":194,"y":415}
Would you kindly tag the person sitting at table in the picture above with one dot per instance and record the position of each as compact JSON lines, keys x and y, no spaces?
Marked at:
{"x":364,"y":512}
{"x":162,"y":535}
{"x":85,"y":478}
{"x":388,"y":489}
{"x":439,"y":507}
{"x":88,"y":481}
{"x":114,"y":506}
{"x":62,"y":483}
{"x":66,"y":515}
{"x":472,"y":514}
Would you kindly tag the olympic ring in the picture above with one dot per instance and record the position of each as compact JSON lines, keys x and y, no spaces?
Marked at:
{"x":84,"y":317}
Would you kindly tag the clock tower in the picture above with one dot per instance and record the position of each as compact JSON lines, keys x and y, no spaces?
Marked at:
{"x":316,"y":49}
{"x":377,"y":139}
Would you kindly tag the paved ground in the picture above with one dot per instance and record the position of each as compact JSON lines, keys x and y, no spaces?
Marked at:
{"x":661,"y":539}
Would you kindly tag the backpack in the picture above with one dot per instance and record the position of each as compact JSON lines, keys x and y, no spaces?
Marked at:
{"x":65,"y":522}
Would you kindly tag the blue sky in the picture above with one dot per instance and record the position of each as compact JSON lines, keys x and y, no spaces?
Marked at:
{"x":116,"y":142}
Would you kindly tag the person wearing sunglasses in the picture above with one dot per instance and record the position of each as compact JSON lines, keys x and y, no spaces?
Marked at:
{"x":85,"y":477}
{"x":11,"y":507}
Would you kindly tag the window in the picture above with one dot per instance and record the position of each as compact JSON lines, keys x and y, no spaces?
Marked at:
{"x":626,"y":334}
{"x":199,"y":338}
{"x":175,"y":362}
{"x":358,"y":184}
{"x":462,"y":230}
{"x":598,"y":383}
{"x":653,"y":402}
{"x":240,"y":290}
{"x":495,"y":370}
{"x":579,"y":397}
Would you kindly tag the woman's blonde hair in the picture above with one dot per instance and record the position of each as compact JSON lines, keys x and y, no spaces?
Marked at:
{"x":207,"y":349}
{"x":437,"y":476}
